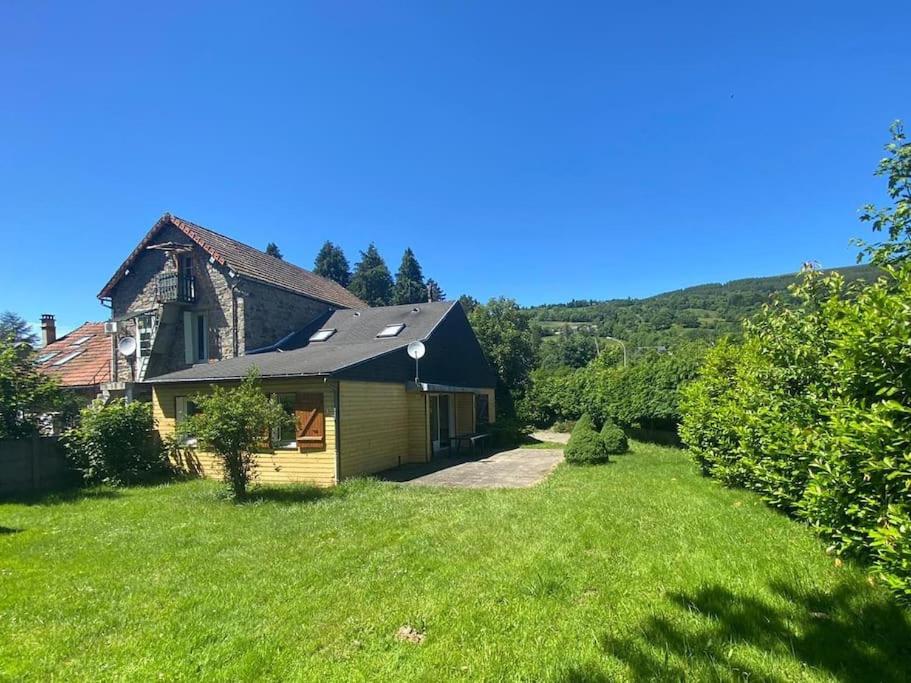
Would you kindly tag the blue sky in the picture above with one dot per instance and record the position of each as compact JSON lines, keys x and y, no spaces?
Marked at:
{"x":542,"y":151}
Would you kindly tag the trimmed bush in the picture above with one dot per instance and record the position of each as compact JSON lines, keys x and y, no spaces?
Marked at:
{"x":613,"y":439}
{"x":585,"y":446}
{"x":113,"y":444}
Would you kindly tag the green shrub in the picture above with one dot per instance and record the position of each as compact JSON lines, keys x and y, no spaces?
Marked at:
{"x":613,"y":439}
{"x":585,"y":446}
{"x":563,"y":426}
{"x":113,"y":443}
{"x":506,"y":432}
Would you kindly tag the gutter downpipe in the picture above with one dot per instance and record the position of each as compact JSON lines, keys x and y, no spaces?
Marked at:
{"x":338,"y":431}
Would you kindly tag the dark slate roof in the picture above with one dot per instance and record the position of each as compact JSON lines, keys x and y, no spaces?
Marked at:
{"x":354,"y":342}
{"x":246,"y":262}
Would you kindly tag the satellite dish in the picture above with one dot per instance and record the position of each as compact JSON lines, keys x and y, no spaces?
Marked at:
{"x":127,"y":346}
{"x":416,"y":350}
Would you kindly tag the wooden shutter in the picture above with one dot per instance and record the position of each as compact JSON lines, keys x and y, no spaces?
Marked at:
{"x":310,"y":419}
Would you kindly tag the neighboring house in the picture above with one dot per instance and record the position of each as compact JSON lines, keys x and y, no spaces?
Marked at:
{"x":80,"y":361}
{"x":350,"y":385}
{"x":188,"y":295}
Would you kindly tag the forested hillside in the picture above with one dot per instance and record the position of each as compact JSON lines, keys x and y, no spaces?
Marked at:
{"x":702,"y":312}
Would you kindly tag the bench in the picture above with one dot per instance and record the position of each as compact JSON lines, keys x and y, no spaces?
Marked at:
{"x":470,"y":440}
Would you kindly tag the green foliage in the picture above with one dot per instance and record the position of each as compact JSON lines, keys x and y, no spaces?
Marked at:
{"x":570,"y":348}
{"x":25,"y":392}
{"x":613,"y":439}
{"x":372,"y":281}
{"x":510,"y":344}
{"x":585,"y":446}
{"x":894,"y":220}
{"x":434,"y":291}
{"x":469,"y":303}
{"x":563,"y":426}
{"x":813,"y":409}
{"x":409,"y":281}
{"x":507,"y":431}
{"x":14,"y":327}
{"x":273,"y":250}
{"x":331,"y":263}
{"x":113,"y":444}
{"x":232,"y":423}
{"x":643,"y":394}
{"x":702,"y":313}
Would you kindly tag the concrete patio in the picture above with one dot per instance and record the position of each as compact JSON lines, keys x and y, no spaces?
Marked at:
{"x":517,"y":468}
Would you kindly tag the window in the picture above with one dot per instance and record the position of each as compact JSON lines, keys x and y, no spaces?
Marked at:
{"x":46,"y":357}
{"x":184,"y":408}
{"x":81,"y":340}
{"x":286,"y":435}
{"x":482,"y":410}
{"x":391,"y":330}
{"x":145,"y":328}
{"x":322,"y":335}
{"x":195,"y":337}
{"x":68,"y":357}
{"x":186,"y":266}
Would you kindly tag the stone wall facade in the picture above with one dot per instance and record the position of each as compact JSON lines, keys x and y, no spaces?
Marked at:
{"x":241,"y":314}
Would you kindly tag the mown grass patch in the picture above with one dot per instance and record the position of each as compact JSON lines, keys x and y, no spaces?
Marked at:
{"x":640,"y":569}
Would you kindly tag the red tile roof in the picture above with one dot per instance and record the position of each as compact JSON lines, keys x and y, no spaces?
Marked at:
{"x":247,"y":262}
{"x":91,"y":364}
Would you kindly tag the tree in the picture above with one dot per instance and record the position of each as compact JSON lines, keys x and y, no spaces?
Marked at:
{"x":232,"y":423}
{"x":409,"y":281}
{"x":508,"y":340}
{"x":469,"y":303}
{"x":273,"y":250}
{"x":331,"y":263}
{"x":25,"y":391}
{"x":894,"y":220}
{"x":434,"y":291}
{"x":13,"y":327}
{"x":372,"y":281}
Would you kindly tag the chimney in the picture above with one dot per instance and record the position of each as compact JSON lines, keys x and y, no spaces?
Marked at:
{"x":48,"y":329}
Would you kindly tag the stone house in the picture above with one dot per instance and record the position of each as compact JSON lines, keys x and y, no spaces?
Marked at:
{"x":187,"y":295}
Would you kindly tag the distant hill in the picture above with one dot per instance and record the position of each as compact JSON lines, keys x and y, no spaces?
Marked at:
{"x":701,"y":312}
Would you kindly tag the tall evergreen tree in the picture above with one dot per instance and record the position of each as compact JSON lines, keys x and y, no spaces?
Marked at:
{"x":273,"y":250}
{"x":13,"y":328}
{"x":372,"y":280}
{"x":331,"y":263}
{"x":433,"y":291}
{"x":409,"y":281}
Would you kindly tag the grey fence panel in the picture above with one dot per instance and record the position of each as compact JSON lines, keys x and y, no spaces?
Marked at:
{"x":34,"y":464}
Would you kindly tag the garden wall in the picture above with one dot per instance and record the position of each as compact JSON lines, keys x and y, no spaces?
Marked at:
{"x":34,"y":464}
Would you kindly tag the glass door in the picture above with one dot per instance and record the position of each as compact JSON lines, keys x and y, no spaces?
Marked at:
{"x":440,"y":421}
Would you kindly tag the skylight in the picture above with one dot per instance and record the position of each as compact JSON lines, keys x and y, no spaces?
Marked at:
{"x":81,"y":340}
{"x":322,"y":335}
{"x":46,"y":357}
{"x":68,"y":357}
{"x":391,"y":330}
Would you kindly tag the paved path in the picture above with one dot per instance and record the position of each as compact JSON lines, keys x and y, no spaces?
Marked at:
{"x":552,"y":437}
{"x":518,"y":468}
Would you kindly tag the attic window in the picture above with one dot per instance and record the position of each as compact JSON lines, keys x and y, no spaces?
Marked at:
{"x":46,"y":357}
{"x":322,"y":335}
{"x":81,"y":340}
{"x":68,"y":357}
{"x":391,"y":330}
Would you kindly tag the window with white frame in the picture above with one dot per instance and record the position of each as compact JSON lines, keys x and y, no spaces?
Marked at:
{"x":391,"y":330}
{"x":285,"y":436}
{"x":184,"y":407}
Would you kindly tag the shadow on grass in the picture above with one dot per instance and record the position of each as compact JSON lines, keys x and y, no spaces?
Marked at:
{"x":291,"y":494}
{"x":849,"y":633}
{"x":60,"y":497}
{"x":5,"y":530}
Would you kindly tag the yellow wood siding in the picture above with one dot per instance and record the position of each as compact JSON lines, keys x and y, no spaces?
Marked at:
{"x":464,"y":413}
{"x":278,"y":466}
{"x":374,"y":419}
{"x":418,"y":427}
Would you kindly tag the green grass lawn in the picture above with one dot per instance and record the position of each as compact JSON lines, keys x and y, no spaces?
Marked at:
{"x":635,"y":570}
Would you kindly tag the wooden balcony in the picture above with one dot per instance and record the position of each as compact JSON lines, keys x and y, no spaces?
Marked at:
{"x":176,"y":288}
